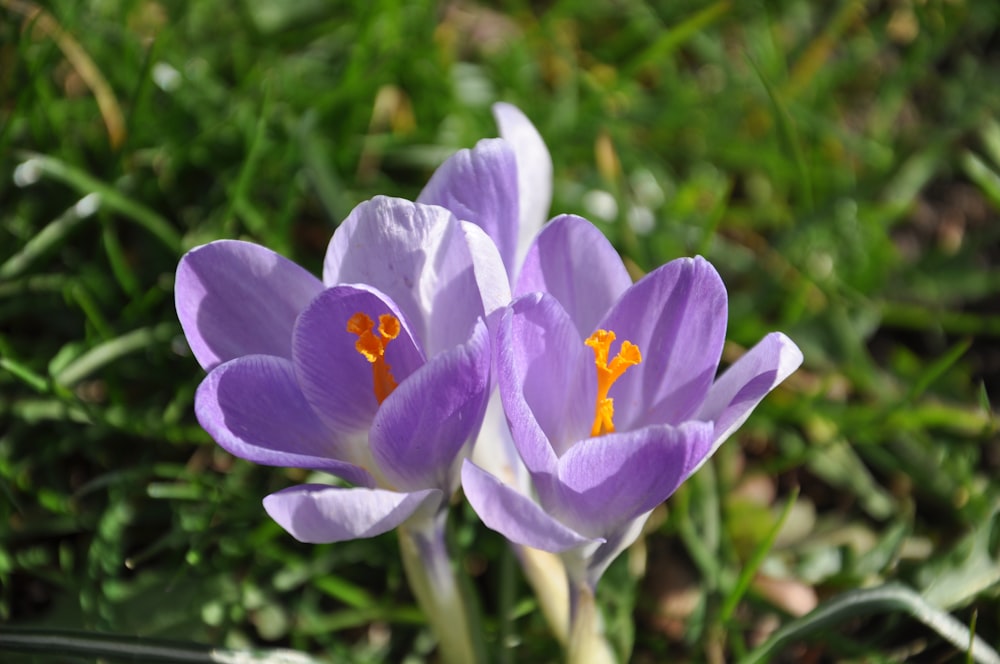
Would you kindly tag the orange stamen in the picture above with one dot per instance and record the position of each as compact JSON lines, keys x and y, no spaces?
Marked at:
{"x":372,"y":347}
{"x":607,"y":373}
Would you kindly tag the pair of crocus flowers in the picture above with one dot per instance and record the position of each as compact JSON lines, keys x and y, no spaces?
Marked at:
{"x":380,"y":373}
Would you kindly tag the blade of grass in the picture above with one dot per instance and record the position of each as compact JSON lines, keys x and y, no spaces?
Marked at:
{"x":324,"y":179}
{"x":110,"y":197}
{"x":116,"y":258}
{"x":918,"y":317}
{"x":344,"y":591}
{"x":984,"y":400}
{"x":756,"y":559}
{"x":109,"y":351}
{"x":937,"y":368}
{"x":789,"y":136}
{"x":82,"y":296}
{"x":991,"y":140}
{"x":856,"y":603}
{"x":85,"y":644}
{"x":50,"y":237}
{"x":78,"y":58}
{"x":238,"y":196}
{"x":677,"y":36}
{"x":705,"y":560}
{"x":34,"y":380}
{"x":822,"y":48}
{"x":979,"y":172}
{"x":901,"y":190}
{"x":972,"y":636}
{"x":38,"y":283}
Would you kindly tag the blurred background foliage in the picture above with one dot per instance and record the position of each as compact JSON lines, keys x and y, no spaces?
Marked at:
{"x":838,"y":162}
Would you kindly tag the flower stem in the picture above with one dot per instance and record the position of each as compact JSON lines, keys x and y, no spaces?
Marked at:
{"x":587,"y":644}
{"x":545,"y":574}
{"x":434,"y":584}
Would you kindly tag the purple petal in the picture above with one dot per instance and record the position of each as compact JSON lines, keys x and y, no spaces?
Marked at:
{"x":335,"y":378}
{"x":418,"y":256}
{"x":573,"y":261}
{"x":514,"y":515}
{"x":424,"y":424}
{"x":610,"y":480}
{"x":619,"y":539}
{"x":676,"y":315}
{"x":543,"y":385}
{"x":253,"y":407}
{"x":480,"y":186}
{"x":534,"y":171}
{"x":494,"y":450}
{"x":236,"y":298}
{"x":319,"y":514}
{"x":491,"y":276}
{"x":738,"y":391}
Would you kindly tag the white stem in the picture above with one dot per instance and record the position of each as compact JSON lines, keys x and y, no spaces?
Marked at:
{"x":587,"y":644}
{"x":431,"y":577}
{"x":546,"y":575}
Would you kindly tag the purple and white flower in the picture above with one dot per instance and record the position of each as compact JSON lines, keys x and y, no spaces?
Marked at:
{"x":378,"y":374}
{"x":504,"y":186}
{"x":611,"y":394}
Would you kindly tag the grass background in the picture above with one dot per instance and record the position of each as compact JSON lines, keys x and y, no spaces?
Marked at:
{"x":838,"y":162}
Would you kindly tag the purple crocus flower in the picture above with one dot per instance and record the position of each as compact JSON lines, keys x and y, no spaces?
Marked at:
{"x":378,"y":374}
{"x":611,"y":394}
{"x":503,"y":185}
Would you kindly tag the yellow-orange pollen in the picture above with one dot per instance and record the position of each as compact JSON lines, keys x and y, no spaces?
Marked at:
{"x":607,"y":373}
{"x":372,"y":347}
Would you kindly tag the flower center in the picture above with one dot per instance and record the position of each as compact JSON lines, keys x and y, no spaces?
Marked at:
{"x":372,"y":347}
{"x":607,"y":373}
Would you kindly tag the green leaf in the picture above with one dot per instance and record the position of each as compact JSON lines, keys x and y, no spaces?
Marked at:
{"x":116,"y":646}
{"x":789,"y":136}
{"x":36,"y":381}
{"x":756,"y":558}
{"x":854,"y":604}
{"x":990,"y":134}
{"x":109,"y":196}
{"x":937,"y":368}
{"x":50,"y":237}
{"x":345,"y":591}
{"x":109,"y":351}
{"x":979,"y":172}
{"x":968,"y":569}
{"x":838,"y":464}
{"x":676,"y":36}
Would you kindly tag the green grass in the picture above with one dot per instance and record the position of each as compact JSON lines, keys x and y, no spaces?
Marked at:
{"x":839,"y":164}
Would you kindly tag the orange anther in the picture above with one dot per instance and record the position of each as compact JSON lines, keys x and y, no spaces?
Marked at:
{"x":372,"y":348}
{"x":388,"y":326}
{"x":607,"y":373}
